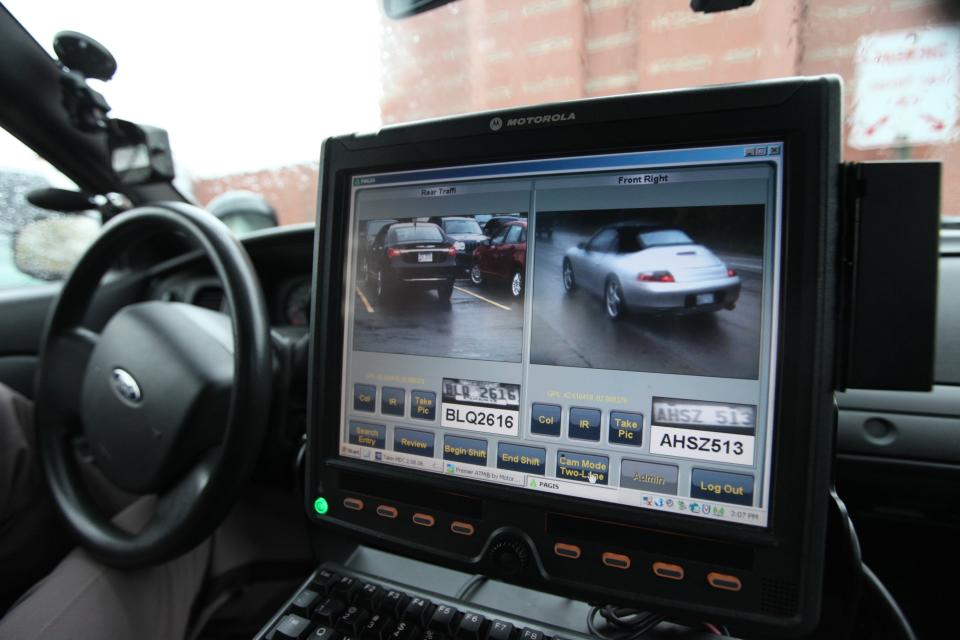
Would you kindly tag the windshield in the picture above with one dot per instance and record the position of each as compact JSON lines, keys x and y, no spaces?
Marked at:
{"x":461,"y":226}
{"x":661,"y":239}
{"x":417,"y":233}
{"x":248,"y":92}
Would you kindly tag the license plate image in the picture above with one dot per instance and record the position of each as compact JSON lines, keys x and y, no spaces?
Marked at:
{"x":704,"y":298}
{"x":474,"y":405}
{"x":424,"y":257}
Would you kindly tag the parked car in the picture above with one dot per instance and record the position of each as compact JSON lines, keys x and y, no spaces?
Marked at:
{"x":503,"y":258}
{"x":466,"y":235}
{"x":412,"y":254}
{"x":650,"y":268}
{"x":495,"y":223}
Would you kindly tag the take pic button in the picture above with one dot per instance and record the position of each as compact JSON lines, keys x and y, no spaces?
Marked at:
{"x":391,"y":401}
{"x":735,"y":488}
{"x":545,"y":419}
{"x":584,"y":424}
{"x":423,"y":405}
{"x":626,"y":428}
{"x":364,"y":397}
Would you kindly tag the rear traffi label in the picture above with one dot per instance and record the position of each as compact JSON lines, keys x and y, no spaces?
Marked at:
{"x":487,"y":407}
{"x":713,"y":431}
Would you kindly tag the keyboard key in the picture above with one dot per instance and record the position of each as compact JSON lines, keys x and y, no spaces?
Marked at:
{"x":500,"y":630}
{"x":305,"y":600}
{"x":352,"y":620}
{"x":432,"y":634}
{"x":347,"y":588}
{"x":328,"y":611}
{"x":471,"y":627}
{"x":443,"y":618}
{"x":324,"y":580}
{"x":370,"y":596}
{"x":394,"y":602}
{"x":405,"y":630}
{"x":531,"y":634}
{"x":291,"y":626}
{"x":418,"y":610}
{"x":323,"y":633}
{"x":378,"y":627}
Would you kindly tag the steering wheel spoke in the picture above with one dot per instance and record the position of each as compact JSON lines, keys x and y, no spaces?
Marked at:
{"x":68,"y":356}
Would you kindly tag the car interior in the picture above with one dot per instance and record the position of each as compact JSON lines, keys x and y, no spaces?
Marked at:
{"x":672,"y":352}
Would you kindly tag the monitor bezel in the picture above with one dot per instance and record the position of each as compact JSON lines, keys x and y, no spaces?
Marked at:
{"x":804,"y":115}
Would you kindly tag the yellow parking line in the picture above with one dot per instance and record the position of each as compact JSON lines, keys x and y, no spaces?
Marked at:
{"x":363,"y":299}
{"x":471,"y":293}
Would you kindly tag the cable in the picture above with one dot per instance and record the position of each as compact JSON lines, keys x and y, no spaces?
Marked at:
{"x":469,"y":586}
{"x":631,"y":623}
{"x":881,"y":592}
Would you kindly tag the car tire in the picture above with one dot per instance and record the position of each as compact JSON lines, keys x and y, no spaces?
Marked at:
{"x":516,"y":283}
{"x":569,"y":281}
{"x":381,"y":285}
{"x":613,"y":302}
{"x":445,"y":290}
{"x":476,"y":276}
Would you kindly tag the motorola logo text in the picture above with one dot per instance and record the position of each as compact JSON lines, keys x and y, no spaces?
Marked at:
{"x":497,"y":123}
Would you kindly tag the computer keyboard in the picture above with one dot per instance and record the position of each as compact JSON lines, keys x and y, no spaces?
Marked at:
{"x":339,"y":604}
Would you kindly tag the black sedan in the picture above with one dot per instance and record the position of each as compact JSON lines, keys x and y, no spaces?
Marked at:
{"x":466,"y":235}
{"x":413,"y":254}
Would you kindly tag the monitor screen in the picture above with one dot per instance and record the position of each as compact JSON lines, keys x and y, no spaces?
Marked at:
{"x":599,"y":328}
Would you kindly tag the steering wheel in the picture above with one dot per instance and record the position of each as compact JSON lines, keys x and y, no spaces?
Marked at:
{"x":173,"y":399}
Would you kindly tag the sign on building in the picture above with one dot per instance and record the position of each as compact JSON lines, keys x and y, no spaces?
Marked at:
{"x":906,"y":88}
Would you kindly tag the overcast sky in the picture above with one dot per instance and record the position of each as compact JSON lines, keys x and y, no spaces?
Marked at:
{"x":239,"y":86}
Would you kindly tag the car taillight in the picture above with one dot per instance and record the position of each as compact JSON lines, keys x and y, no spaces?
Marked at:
{"x":452,"y":251}
{"x":731,"y":272}
{"x":656,"y":276}
{"x":393,"y":253}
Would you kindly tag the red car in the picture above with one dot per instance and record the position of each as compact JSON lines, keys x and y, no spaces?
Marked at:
{"x":503,"y":257}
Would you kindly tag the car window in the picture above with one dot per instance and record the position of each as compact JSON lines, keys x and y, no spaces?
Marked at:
{"x":663,"y":238}
{"x":513,"y":233}
{"x":36,"y":246}
{"x":461,"y":226}
{"x":498,"y":239}
{"x":416,"y":233}
{"x":523,"y":235}
{"x":603,"y":241}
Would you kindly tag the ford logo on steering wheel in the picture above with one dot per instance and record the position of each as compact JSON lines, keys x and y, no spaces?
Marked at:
{"x":126,"y":386}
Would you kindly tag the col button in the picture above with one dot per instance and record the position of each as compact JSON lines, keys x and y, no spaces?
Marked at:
{"x":545,"y":419}
{"x":364,"y":397}
{"x":584,"y":424}
{"x":423,"y":405}
{"x":736,"y":488}
{"x":626,"y":428}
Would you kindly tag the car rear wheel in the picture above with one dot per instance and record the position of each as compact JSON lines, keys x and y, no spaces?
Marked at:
{"x":516,"y":283}
{"x":569,"y":282}
{"x":476,"y":276}
{"x":613,"y":299}
{"x":445,"y":290}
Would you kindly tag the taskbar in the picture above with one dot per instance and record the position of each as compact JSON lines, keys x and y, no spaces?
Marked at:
{"x":617,"y":495}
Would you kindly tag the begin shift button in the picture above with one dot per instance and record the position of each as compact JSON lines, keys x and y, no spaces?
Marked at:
{"x":735,"y":488}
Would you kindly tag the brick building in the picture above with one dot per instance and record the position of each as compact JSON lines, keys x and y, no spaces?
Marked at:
{"x":475,"y":55}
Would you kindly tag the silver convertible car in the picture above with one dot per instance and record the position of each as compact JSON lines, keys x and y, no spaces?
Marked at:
{"x":649,"y":268}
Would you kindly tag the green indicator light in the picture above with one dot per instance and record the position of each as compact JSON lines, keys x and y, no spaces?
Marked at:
{"x":320,"y":506}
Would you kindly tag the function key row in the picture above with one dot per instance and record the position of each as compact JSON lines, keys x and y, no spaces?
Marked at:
{"x":342,"y":607}
{"x":390,"y":512}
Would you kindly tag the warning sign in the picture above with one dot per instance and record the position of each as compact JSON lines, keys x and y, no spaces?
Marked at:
{"x":906,"y":88}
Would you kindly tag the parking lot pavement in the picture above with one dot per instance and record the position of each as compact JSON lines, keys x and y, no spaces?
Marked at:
{"x":482,"y":323}
{"x":573,"y":329}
